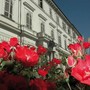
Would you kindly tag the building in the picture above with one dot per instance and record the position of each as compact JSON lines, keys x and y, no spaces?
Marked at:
{"x":88,"y":50}
{"x":36,"y":22}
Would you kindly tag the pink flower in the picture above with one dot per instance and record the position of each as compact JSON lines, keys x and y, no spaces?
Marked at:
{"x":82,"y":70}
{"x":71,"y":61}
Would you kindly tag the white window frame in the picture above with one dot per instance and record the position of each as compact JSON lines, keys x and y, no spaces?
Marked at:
{"x":57,"y":19}
{"x":64,"y":26}
{"x":65,"y":43}
{"x":42,"y":27}
{"x":29,"y":20}
{"x":52,"y":34}
{"x":50,"y":10}
{"x":59,"y":41}
{"x":8,"y":8}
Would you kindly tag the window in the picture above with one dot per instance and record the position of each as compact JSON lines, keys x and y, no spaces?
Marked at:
{"x":59,"y":40}
{"x":63,"y":25}
{"x":74,"y":35}
{"x":69,"y":31}
{"x":29,"y":20}
{"x":50,"y":11}
{"x":8,"y":8}
{"x":52,"y":33}
{"x":65,"y":43}
{"x":57,"y":19}
{"x":42,"y":27}
{"x":41,"y":3}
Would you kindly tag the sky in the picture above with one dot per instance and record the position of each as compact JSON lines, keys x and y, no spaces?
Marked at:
{"x":78,"y":13}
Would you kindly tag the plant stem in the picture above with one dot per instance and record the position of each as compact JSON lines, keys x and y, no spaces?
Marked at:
{"x":69,"y":85}
{"x":78,"y":87}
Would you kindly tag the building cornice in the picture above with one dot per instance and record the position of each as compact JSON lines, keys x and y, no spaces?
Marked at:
{"x":9,"y":27}
{"x":65,"y":36}
{"x":29,"y":35}
{"x":41,"y":16}
{"x":59,"y":31}
{"x":51,"y":24}
{"x":29,"y":6}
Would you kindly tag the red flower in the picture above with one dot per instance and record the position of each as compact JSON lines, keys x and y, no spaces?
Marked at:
{"x":38,"y":84}
{"x":42,"y":72}
{"x":13,"y":41}
{"x":41,"y":50}
{"x":3,"y":87}
{"x":27,"y":56}
{"x":4,"y":50}
{"x":56,"y":61}
{"x":86,"y":45}
{"x":51,"y":63}
{"x":15,"y":82}
{"x":5,"y":46}
{"x":82,"y":70}
{"x":76,"y":49}
{"x":33,"y":48}
{"x":46,"y":67}
{"x":2,"y":53}
{"x":12,"y":82}
{"x":2,"y":75}
{"x":80,"y":39}
{"x":51,"y":85}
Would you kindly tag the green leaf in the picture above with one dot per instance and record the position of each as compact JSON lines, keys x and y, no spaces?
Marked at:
{"x":3,"y":64}
{"x":1,"y":59}
{"x":67,"y":80}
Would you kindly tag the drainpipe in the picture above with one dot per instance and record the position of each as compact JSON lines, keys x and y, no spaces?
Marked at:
{"x":19,"y":19}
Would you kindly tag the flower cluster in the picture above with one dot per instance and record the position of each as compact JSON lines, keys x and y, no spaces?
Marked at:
{"x":39,"y":84}
{"x":13,"y":51}
{"x":26,"y":67}
{"x":12,"y":82}
{"x":79,"y":61}
{"x":43,"y":71}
